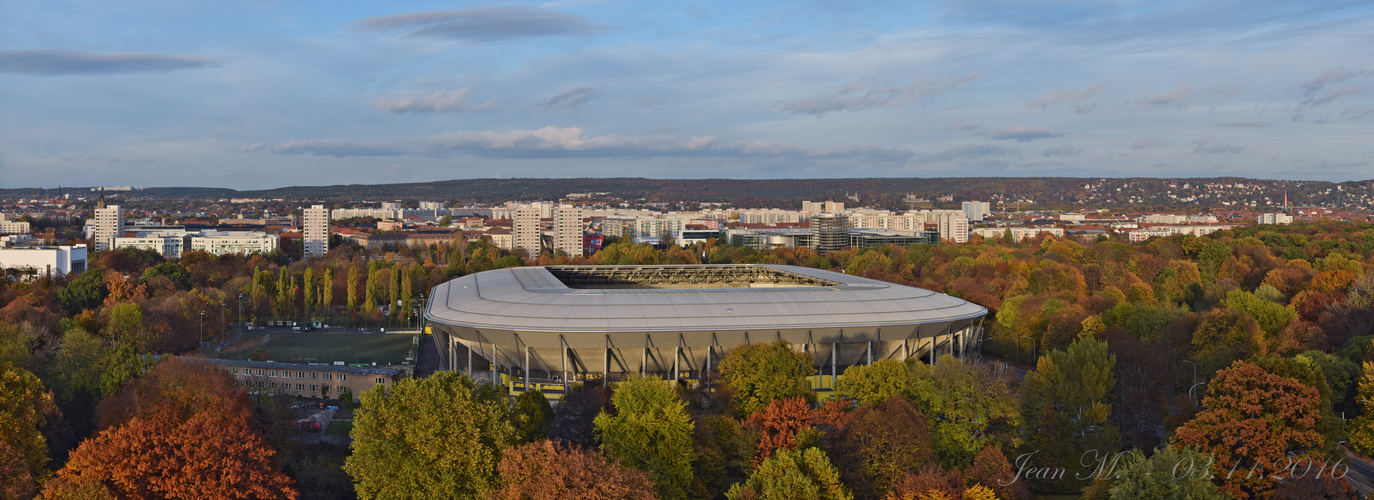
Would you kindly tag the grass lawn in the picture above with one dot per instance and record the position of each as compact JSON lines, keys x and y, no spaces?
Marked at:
{"x":324,"y":347}
{"x":339,"y":427}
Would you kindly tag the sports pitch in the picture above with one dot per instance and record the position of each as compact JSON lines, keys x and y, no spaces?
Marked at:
{"x":351,"y":348}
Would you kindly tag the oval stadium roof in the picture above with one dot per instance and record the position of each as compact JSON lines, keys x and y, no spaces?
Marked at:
{"x":630,"y":299}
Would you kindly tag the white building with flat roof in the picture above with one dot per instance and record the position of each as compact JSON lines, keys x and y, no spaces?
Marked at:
{"x":315,"y":231}
{"x":528,"y":229}
{"x":168,"y":244}
{"x":976,"y":210}
{"x":25,"y":263}
{"x":235,"y":242}
{"x":1275,"y":219}
{"x":108,"y":225}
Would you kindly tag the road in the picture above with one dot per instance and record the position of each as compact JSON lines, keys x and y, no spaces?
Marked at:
{"x":1361,"y":474}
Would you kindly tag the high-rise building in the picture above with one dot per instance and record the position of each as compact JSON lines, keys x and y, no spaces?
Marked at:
{"x":315,"y":231}
{"x":976,"y":210}
{"x":567,"y":230}
{"x":1275,"y":219}
{"x":953,"y":225}
{"x":109,"y":224}
{"x":391,"y":205}
{"x":528,"y":229}
{"x":431,"y":205}
{"x":817,"y":207}
{"x":829,"y":232}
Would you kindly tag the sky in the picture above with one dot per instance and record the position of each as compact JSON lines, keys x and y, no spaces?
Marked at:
{"x":252,"y":94}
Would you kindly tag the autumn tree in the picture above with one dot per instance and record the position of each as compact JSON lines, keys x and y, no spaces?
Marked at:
{"x":761,"y":373}
{"x":872,"y":384}
{"x":352,"y":289}
{"x":779,"y":423}
{"x":531,"y":417}
{"x":24,"y":407}
{"x":184,"y":430}
{"x":1067,"y":410}
{"x":308,"y":281}
{"x":435,"y":434}
{"x":1251,"y":419}
{"x":969,"y":406}
{"x":542,"y":470}
{"x":1362,"y":428}
{"x":1171,"y":473}
{"x":573,"y":419}
{"x":793,"y":474}
{"x":651,"y":431}
{"x":991,"y":469}
{"x":878,"y":444}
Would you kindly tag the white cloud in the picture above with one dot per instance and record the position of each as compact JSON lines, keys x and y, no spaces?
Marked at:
{"x":1056,"y":96}
{"x":568,"y":100}
{"x":867,"y":93}
{"x":440,"y":101}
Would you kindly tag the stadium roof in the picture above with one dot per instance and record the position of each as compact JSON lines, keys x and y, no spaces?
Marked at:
{"x":695,"y":298}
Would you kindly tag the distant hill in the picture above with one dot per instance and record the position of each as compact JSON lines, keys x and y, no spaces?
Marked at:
{"x":786,"y":192}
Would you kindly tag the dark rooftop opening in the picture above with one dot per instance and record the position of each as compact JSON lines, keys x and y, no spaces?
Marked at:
{"x":701,"y":276}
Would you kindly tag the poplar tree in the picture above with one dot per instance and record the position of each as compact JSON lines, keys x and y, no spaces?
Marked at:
{"x":309,"y":284}
{"x":352,"y":289}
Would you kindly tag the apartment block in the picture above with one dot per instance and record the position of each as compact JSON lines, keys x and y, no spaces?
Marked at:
{"x":315,"y":231}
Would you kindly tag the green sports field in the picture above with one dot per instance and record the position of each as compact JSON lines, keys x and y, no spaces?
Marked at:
{"x":311,"y":347}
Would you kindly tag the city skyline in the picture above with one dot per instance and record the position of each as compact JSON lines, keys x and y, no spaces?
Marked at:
{"x":269,"y":94}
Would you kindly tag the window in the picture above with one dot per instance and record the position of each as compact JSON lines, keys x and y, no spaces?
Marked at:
{"x":314,"y":388}
{"x":300,"y":387}
{"x":314,"y":375}
{"x":329,"y":376}
{"x":324,"y":389}
{"x":235,"y":371}
{"x":286,"y":373}
{"x":271,"y":373}
{"x":381,"y":380}
{"x":259,"y":372}
{"x":343,"y":377}
{"x":300,"y":374}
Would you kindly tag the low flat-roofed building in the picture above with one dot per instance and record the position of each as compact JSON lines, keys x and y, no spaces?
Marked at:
{"x":309,"y":381}
{"x":34,"y":262}
{"x":235,"y":242}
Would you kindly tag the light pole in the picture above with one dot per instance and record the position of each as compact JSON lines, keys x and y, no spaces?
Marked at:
{"x":240,"y":313}
{"x":1034,"y":347}
{"x":222,"y":325}
{"x":1190,"y":390}
{"x":202,"y":326}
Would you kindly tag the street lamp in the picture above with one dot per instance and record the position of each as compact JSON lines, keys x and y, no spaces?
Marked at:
{"x":202,"y":326}
{"x":240,"y":313}
{"x":1190,"y":390}
{"x":222,"y":325}
{"x":1034,"y":347}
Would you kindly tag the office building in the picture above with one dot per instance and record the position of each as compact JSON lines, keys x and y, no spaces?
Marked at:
{"x":315,"y":231}
{"x":953,"y":225}
{"x":32,"y":262}
{"x":1275,"y":219}
{"x":109,"y":224}
{"x":829,"y":232}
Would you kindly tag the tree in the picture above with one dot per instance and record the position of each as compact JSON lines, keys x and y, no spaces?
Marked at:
{"x":393,"y":280}
{"x":572,"y":420}
{"x":878,"y":444}
{"x":1251,"y":419}
{"x":406,"y":290}
{"x":543,"y":470}
{"x":651,"y":431}
{"x":24,"y":407}
{"x":1172,"y":473}
{"x":284,"y":295}
{"x":1067,"y":412}
{"x":1362,"y":429}
{"x":370,"y":297}
{"x":207,"y":456}
{"x":991,"y":469}
{"x":309,"y":282}
{"x":779,"y":423}
{"x":327,"y":292}
{"x":872,"y":384}
{"x":793,"y":474}
{"x":531,"y":417}
{"x":436,"y":434}
{"x":181,"y":431}
{"x":86,"y":291}
{"x":968,"y":405}
{"x":352,"y":289}
{"x":760,"y":373}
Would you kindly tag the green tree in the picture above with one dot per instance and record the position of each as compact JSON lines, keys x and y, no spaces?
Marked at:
{"x":1067,"y":410}
{"x":393,"y":280}
{"x":968,"y":406}
{"x":760,"y":373}
{"x":24,"y":406}
{"x":370,"y":298}
{"x":308,"y":281}
{"x":1172,"y":473}
{"x":791,"y":474}
{"x":284,"y":297}
{"x":86,"y":291}
{"x":874,"y":383}
{"x":352,"y":289}
{"x":1362,"y":428}
{"x":406,"y":290}
{"x":436,"y":435}
{"x":1272,"y":317}
{"x":173,"y":271}
{"x":531,"y":417}
{"x":651,"y":431}
{"x":125,"y":324}
{"x":327,"y":292}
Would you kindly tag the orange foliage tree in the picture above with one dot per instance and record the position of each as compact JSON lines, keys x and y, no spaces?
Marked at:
{"x":182,"y":431}
{"x":1251,"y":419}
{"x":780,"y":421}
{"x":543,"y":470}
{"x":878,"y":444}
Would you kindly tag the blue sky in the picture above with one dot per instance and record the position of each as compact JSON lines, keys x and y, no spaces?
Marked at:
{"x":258,"y":93}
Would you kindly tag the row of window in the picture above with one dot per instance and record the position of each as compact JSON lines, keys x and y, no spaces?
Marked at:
{"x":287,"y":374}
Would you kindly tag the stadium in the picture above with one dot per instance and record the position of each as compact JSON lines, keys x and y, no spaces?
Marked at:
{"x":556,"y":324}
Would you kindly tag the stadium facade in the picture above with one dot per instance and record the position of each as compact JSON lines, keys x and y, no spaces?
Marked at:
{"x":567,"y":323}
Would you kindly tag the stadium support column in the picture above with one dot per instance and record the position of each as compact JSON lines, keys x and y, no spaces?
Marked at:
{"x":606,"y":363}
{"x":834,"y":364}
{"x":525,"y":375}
{"x":563,"y":361}
{"x":870,"y":353}
{"x":469,"y":361}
